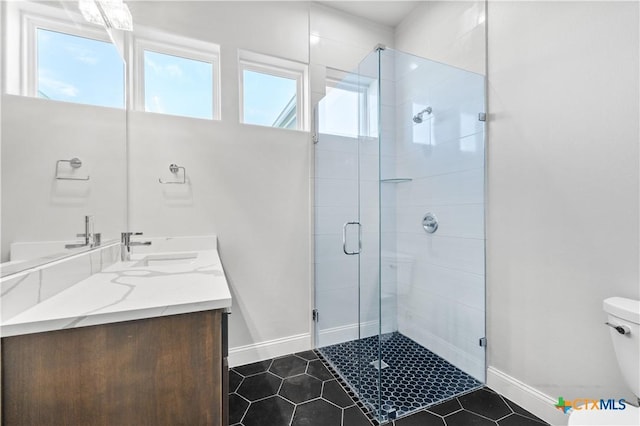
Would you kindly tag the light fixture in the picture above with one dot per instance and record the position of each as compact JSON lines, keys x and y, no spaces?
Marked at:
{"x":110,"y":13}
{"x":90,"y":11}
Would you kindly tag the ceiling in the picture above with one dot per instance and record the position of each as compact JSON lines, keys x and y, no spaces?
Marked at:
{"x":389,"y":13}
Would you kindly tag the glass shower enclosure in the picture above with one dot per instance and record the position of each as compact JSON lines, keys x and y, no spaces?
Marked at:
{"x":399,"y":231}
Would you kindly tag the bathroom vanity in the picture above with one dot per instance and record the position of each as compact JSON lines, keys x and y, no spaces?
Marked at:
{"x":143,"y":342}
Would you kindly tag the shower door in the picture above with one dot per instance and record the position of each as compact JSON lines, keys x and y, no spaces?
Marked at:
{"x":347,"y":237}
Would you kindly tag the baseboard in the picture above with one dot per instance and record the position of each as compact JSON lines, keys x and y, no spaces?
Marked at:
{"x":345,"y":333}
{"x":247,"y":354}
{"x":529,"y":398}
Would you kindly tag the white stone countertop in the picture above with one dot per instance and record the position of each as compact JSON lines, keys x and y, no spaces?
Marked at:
{"x":188,"y":281}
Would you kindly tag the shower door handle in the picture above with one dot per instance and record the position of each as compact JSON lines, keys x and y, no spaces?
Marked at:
{"x":344,"y":238}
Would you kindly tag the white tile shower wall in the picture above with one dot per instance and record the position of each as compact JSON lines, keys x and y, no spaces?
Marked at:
{"x":445,"y":157}
{"x":441,"y":305}
{"x":336,"y":202}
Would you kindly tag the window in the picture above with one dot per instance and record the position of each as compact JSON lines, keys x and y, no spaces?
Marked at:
{"x":344,"y":110}
{"x":67,"y":61}
{"x":272,"y":91}
{"x":178,"y":80}
{"x":78,"y":69}
{"x":178,"y":86}
{"x":269,"y":100}
{"x":65,"y":58}
{"x":339,"y":113}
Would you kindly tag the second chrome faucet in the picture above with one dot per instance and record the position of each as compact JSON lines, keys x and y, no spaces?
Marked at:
{"x":126,"y":243}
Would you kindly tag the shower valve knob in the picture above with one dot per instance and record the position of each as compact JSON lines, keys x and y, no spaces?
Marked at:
{"x":430,"y":223}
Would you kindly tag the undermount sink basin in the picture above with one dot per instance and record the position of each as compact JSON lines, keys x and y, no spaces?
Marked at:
{"x":162,"y":259}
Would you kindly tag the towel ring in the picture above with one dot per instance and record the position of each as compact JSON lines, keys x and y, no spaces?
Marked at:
{"x":74,"y":163}
{"x":174,"y":168}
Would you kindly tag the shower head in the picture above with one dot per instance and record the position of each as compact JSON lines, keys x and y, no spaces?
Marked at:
{"x":418,"y":117}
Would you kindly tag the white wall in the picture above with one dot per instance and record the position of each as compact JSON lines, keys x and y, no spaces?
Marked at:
{"x":247,"y":184}
{"x":340,"y":41}
{"x":451,"y":32}
{"x":563,"y":189}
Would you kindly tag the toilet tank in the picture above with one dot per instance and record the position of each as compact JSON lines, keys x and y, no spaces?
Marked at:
{"x":626,"y":312}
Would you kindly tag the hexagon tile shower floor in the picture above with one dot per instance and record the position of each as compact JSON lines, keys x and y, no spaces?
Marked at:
{"x":414,"y":377}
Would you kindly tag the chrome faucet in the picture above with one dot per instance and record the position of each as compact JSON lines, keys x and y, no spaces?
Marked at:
{"x":126,"y":243}
{"x":91,"y":239}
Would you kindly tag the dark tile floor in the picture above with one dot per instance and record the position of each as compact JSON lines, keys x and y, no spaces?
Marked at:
{"x":296,"y":390}
{"x":299,"y":390}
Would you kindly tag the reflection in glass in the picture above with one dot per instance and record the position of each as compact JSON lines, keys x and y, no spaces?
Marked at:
{"x":69,"y":68}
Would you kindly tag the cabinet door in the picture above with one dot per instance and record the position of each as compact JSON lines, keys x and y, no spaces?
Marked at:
{"x":156,"y":371}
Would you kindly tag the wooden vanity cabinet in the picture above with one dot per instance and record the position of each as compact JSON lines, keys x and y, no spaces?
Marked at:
{"x":167,"y":370}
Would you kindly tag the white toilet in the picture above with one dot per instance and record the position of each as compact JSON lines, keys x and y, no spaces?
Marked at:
{"x":624,"y":320}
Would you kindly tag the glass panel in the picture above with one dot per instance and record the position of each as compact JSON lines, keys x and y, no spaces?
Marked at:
{"x":336,"y":204}
{"x":369,"y":199}
{"x":431,"y":161}
{"x":178,"y":86}
{"x":69,"y":67}
{"x":269,"y":100}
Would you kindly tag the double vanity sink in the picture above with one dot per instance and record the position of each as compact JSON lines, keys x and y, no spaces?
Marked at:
{"x":132,"y":343}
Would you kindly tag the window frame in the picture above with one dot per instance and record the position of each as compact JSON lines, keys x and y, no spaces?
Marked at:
{"x":277,"y":67}
{"x":336,"y":79}
{"x":30,"y":24}
{"x":195,"y":50}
